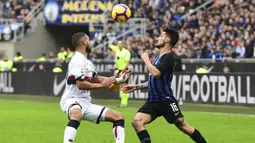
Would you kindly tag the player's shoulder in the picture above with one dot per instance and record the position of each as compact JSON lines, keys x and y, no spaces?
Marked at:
{"x":169,"y":56}
{"x":89,"y":62}
{"x":77,"y":58}
{"x":78,"y":55}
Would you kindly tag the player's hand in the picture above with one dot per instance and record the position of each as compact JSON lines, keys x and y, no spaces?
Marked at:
{"x":145,"y":57}
{"x":108,"y":81}
{"x":116,"y":73}
{"x":124,"y":76}
{"x":128,"y":88}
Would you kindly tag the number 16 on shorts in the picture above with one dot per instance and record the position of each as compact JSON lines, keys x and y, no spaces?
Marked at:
{"x":174,"y":107}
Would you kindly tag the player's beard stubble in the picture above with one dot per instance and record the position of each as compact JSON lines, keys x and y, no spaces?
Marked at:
{"x":88,"y":49}
{"x":160,"y":45}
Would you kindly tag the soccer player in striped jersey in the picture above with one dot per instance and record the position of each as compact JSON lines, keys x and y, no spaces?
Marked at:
{"x":161,"y":101}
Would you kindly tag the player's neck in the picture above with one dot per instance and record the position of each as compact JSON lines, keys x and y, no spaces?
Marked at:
{"x":165,"y":50}
{"x":82,"y":52}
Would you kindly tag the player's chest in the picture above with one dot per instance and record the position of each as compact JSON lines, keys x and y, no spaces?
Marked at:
{"x":89,"y":69}
{"x":156,"y":61}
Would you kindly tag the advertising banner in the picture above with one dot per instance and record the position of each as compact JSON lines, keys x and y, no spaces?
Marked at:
{"x":107,"y":66}
{"x":218,"y":67}
{"x":229,"y":89}
{"x":215,"y":88}
{"x":75,"y":12}
{"x":41,"y":83}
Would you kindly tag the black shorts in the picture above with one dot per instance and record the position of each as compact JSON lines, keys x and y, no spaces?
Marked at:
{"x":168,"y":109}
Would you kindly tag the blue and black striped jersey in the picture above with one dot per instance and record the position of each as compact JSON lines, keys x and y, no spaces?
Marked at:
{"x":159,"y":89}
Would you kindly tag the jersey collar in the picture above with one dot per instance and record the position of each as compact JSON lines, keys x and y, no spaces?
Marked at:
{"x":79,"y":53}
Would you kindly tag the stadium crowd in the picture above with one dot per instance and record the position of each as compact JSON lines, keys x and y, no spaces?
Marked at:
{"x":226,"y":31}
{"x":16,"y":9}
{"x":14,"y":14}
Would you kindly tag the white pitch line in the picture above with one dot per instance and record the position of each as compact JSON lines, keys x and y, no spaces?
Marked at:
{"x":202,"y":112}
{"x":221,"y":113}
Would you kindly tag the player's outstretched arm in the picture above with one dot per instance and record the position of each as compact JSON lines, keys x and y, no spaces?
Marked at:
{"x":130,"y":88}
{"x":85,"y":85}
{"x":100,"y":78}
{"x":151,"y":68}
{"x":122,"y":79}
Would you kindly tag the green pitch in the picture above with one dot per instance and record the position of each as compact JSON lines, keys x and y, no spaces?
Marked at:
{"x":38,"y":119}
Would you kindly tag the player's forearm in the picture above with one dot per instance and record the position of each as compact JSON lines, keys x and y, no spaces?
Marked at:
{"x":84,"y":85}
{"x":141,"y":86}
{"x":152,"y":69}
{"x":99,"y":79}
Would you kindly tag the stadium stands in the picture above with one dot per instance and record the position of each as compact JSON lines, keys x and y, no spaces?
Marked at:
{"x":16,"y":9}
{"x":15,"y":17}
{"x":216,"y":34}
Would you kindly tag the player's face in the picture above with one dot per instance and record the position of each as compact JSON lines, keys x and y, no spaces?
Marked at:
{"x":162,"y":40}
{"x":89,"y":48}
{"x":86,"y":43}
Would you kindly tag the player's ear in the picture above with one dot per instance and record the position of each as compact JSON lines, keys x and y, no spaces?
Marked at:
{"x":84,"y":42}
{"x":167,"y":40}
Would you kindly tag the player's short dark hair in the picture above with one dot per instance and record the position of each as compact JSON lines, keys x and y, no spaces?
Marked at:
{"x":76,"y":38}
{"x":173,"y":34}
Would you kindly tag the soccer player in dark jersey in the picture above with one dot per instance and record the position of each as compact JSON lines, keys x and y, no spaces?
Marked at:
{"x":161,"y":101}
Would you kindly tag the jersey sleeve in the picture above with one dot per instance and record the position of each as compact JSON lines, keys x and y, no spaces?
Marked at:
{"x":128,"y":56}
{"x":78,"y":71}
{"x":92,"y":69}
{"x":113,"y":47}
{"x":167,"y":64}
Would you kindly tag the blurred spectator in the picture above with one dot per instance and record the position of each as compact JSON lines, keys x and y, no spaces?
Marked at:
{"x":58,"y":68}
{"x":105,"y":39}
{"x":220,"y":54}
{"x":62,"y":54}
{"x":18,"y":57}
{"x":42,"y":68}
{"x":226,"y":69}
{"x":42,"y":58}
{"x":211,"y":54}
{"x":5,"y":64}
{"x":249,"y":48}
{"x":240,"y":50}
{"x":69,"y":54}
{"x":52,"y":55}
{"x":197,"y":55}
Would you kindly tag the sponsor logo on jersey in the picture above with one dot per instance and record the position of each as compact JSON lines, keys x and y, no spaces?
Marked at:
{"x":82,"y":71}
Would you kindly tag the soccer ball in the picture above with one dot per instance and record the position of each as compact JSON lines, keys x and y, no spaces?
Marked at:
{"x":121,"y":13}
